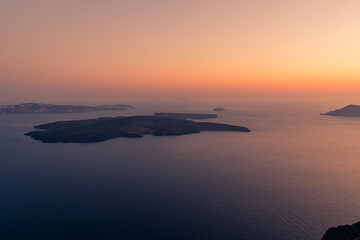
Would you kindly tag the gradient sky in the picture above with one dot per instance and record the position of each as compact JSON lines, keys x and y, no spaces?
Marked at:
{"x":140,"y":46}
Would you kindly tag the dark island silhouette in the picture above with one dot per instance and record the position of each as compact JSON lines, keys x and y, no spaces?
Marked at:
{"x":345,"y":232}
{"x":101,"y":129}
{"x":348,"y":111}
{"x":50,"y":108}
{"x":185,"y":115}
{"x":218,"y":109}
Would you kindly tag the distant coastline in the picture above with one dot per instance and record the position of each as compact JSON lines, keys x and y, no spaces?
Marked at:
{"x":25,"y":108}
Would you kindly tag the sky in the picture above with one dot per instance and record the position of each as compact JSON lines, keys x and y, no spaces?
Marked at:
{"x":80,"y":49}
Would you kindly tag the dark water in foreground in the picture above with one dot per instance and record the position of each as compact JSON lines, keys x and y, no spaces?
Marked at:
{"x":294,"y":176}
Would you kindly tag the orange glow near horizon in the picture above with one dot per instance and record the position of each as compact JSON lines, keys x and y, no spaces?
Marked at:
{"x":254,"y":45}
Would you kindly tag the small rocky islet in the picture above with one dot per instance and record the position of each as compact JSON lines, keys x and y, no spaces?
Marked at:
{"x":185,"y":115}
{"x":219,"y":109}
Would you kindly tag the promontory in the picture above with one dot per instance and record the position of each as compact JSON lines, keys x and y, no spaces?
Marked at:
{"x":348,"y":111}
{"x":101,"y":129}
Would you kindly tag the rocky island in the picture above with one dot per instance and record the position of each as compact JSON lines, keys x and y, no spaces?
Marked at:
{"x":348,"y":111}
{"x":346,"y":232}
{"x":50,"y":108}
{"x":218,"y":109}
{"x":185,"y":115}
{"x":101,"y":129}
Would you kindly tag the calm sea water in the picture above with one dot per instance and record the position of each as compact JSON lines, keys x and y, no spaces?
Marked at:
{"x":294,"y":176}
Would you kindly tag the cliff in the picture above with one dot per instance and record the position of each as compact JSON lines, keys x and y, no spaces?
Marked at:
{"x":346,"y":232}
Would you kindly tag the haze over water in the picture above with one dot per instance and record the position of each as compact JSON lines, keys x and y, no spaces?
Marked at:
{"x":274,"y":65}
{"x":293,"y":177}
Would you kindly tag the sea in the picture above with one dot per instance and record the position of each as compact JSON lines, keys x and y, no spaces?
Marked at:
{"x":294,"y":176}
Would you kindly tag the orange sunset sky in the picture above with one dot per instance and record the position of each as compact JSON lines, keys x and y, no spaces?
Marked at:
{"x":138,"y":46}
